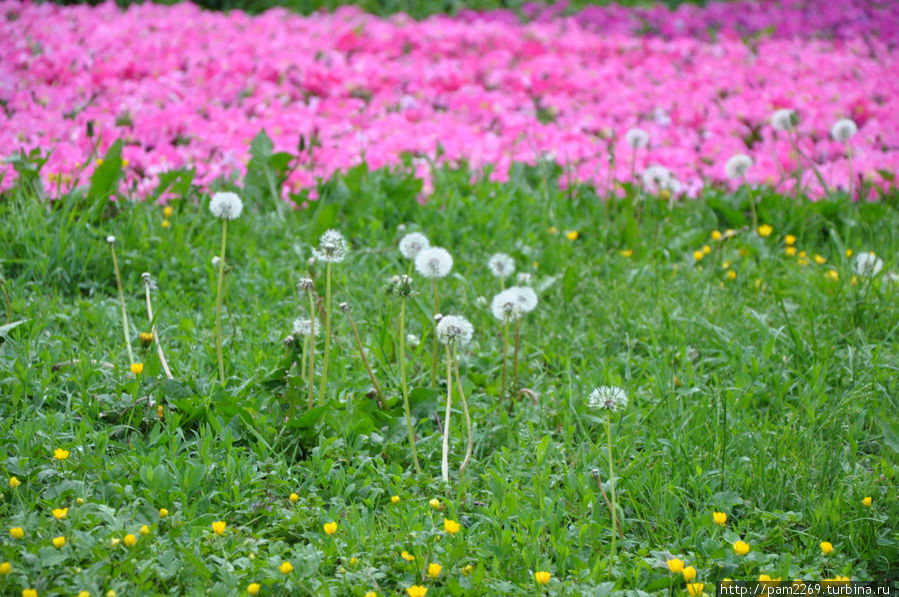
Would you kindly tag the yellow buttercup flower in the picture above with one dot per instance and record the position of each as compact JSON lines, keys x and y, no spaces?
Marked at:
{"x":167,"y":211}
{"x":435,"y":503}
{"x":84,"y":594}
{"x":253,"y":588}
{"x":166,"y":224}
{"x":125,"y":163}
{"x":853,"y":280}
{"x":790,"y":251}
{"x":60,"y":513}
{"x":676,"y":565}
{"x":553,"y":230}
{"x":115,"y":541}
{"x":689,"y":573}
{"x":371,"y":594}
{"x":867,"y":502}
{"x":137,"y":368}
{"x":434,"y":569}
{"x":17,"y":532}
{"x":731,"y":275}
{"x":14,"y":482}
{"x":5,"y":568}
{"x":29,"y":593}
{"x":572,"y":235}
{"x":330,"y":527}
{"x":720,"y":518}
{"x":79,"y":501}
{"x":789,"y":239}
{"x":160,"y":412}
{"x":467,"y":570}
{"x":698,"y":255}
{"x":832,"y":274}
{"x":218,"y":527}
{"x":695,"y":589}
{"x":294,"y":498}
{"x":820,"y":260}
{"x":826,"y":548}
{"x":741,"y":547}
{"x":416,"y":591}
{"x":59,"y":542}
{"x":542,"y":577}
{"x":627,"y":253}
{"x":407,"y":556}
{"x":394,"y":499}
{"x":60,"y":454}
{"x":450,"y":526}
{"x":163,"y":512}
{"x":716,"y":235}
{"x":706,"y":249}
{"x":765,"y":230}
{"x":848,"y":252}
{"x":110,"y":593}
{"x":130,"y":540}
{"x":144,"y":530}
{"x":353,"y":561}
{"x":285,"y":567}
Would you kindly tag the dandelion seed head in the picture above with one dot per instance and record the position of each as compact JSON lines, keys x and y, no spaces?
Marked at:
{"x":656,"y":177}
{"x":524,"y":279}
{"x":783,"y":119}
{"x":737,"y":165}
{"x":505,"y":305}
{"x":525,"y":297}
{"x":303,"y":327}
{"x":110,"y":239}
{"x":433,"y":262}
{"x":412,"y":340}
{"x":501,"y":265}
{"x":481,"y":301}
{"x":306,"y":285}
{"x":215,"y":261}
{"x":611,"y":398}
{"x":637,"y":138}
{"x":843,"y":130}
{"x":413,"y":243}
{"x":867,"y":264}
{"x":454,"y":328}
{"x":332,"y":247}
{"x":226,"y":206}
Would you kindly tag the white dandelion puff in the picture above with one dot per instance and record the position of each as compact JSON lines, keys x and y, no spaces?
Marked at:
{"x":505,"y":305}
{"x":524,"y":279}
{"x":226,"y":206}
{"x":783,"y":119}
{"x":332,"y":247}
{"x":501,"y":265}
{"x":611,"y":398}
{"x":413,"y":243}
{"x":525,"y":298}
{"x":656,"y":177}
{"x":454,"y":328}
{"x":434,"y":262}
{"x":843,"y":130}
{"x":412,"y":340}
{"x":868,"y":264}
{"x":637,"y":138}
{"x":303,"y":327}
{"x":481,"y":302}
{"x":738,"y":165}
{"x":110,"y":239}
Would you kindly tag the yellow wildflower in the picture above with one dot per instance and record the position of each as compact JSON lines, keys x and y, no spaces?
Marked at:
{"x":741,"y":547}
{"x":435,"y":503}
{"x":218,"y":527}
{"x":17,"y":532}
{"x":163,"y":512}
{"x":146,"y":338}
{"x":417,"y":591}
{"x":450,"y":526}
{"x":115,"y":541}
{"x":253,"y":588}
{"x":330,"y":527}
{"x":60,"y":513}
{"x":84,"y":594}
{"x":826,"y":548}
{"x":166,"y":224}
{"x":5,"y":568}
{"x":820,"y":260}
{"x":867,"y":502}
{"x":99,"y":163}
{"x":695,"y":589}
{"x":716,"y":235}
{"x":59,"y":542}
{"x":285,"y":567}
{"x":542,"y":577}
{"x":720,"y":518}
{"x":130,"y":540}
{"x":434,"y":569}
{"x":125,"y":163}
{"x":407,"y":556}
{"x":79,"y":501}
{"x":29,"y":593}
{"x":676,"y":565}
{"x":848,"y":252}
{"x":725,"y":264}
{"x":832,"y":274}
{"x":627,"y":253}
{"x":467,"y":570}
{"x":394,"y":499}
{"x":790,"y":251}
{"x":553,"y":230}
{"x":167,"y":211}
{"x":59,"y":454}
{"x":14,"y":482}
{"x":689,"y":573}
{"x":789,"y":239}
{"x":371,"y":594}
{"x":572,"y":235}
{"x":144,"y":530}
{"x":137,"y":368}
{"x":698,"y":255}
{"x":294,"y":498}
{"x":110,"y":593}
{"x":706,"y":249}
{"x":765,"y":230}
{"x":160,"y":411}
{"x":731,"y":275}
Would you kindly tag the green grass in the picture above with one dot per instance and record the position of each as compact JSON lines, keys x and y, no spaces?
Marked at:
{"x":772,"y":397}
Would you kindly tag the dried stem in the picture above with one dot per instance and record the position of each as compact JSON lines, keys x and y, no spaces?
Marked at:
{"x":165,"y":365}
{"x":346,"y":309}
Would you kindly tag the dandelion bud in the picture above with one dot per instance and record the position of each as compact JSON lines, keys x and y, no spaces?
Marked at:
{"x":215,"y":261}
{"x":344,"y":307}
{"x":110,"y":239}
{"x":145,"y":338}
{"x":404,"y":286}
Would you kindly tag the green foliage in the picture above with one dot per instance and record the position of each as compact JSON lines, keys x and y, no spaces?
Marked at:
{"x":770,"y":397}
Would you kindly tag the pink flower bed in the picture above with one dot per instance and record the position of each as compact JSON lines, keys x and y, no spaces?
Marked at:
{"x":183,"y":87}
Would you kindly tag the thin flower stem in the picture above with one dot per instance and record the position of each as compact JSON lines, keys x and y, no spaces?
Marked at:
{"x":444,"y":463}
{"x":402,"y":356}
{"x":118,"y":282}
{"x":218,"y":305}
{"x":634,"y":165}
{"x":612,"y":482}
{"x":849,"y":157}
{"x":502,"y":391}
{"x":6,"y":298}
{"x":434,"y":359}
{"x":755,"y":217}
{"x":303,"y":360}
{"x":312,"y":315}
{"x":165,"y":365}
{"x":468,"y":443}
{"x":324,"y":386}
{"x":371,"y":373}
{"x":515,"y":358}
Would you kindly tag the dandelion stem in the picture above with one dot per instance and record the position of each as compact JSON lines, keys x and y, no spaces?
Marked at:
{"x":303,"y":360}
{"x":374,"y":381}
{"x":612,"y":482}
{"x":402,"y":356}
{"x":218,"y":305}
{"x":312,"y":315}
{"x":468,"y":446}
{"x":434,"y":359}
{"x":515,"y":358}
{"x":6,"y":298}
{"x":118,"y":282}
{"x":502,"y":391}
{"x":634,"y":165}
{"x":165,"y":365}
{"x":324,"y":386}
{"x":755,"y":217}
{"x":849,"y":157}
{"x":444,"y":462}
